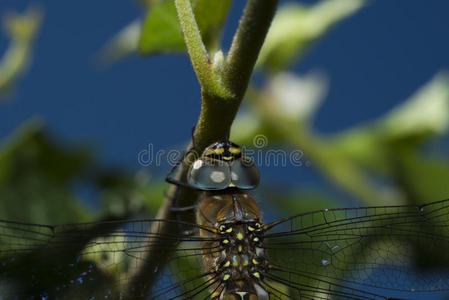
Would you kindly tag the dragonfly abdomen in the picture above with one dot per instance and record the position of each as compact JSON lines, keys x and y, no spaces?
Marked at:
{"x":234,"y":256}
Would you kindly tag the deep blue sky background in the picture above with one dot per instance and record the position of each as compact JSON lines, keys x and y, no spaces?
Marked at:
{"x":374,"y":60}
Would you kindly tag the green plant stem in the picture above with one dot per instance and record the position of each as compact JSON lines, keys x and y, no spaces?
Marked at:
{"x":154,"y":261}
{"x":247,"y":43}
{"x":209,"y":79}
{"x":217,"y":114}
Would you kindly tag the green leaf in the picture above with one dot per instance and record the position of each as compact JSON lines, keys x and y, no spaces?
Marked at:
{"x":23,"y":30}
{"x":296,"y":26}
{"x":37,"y":177}
{"x":291,"y":202}
{"x":210,"y":16}
{"x":422,"y":179}
{"x":162,"y":32}
{"x":424,"y":114}
{"x":121,"y":45}
{"x":364,"y":146}
{"x":125,"y":195}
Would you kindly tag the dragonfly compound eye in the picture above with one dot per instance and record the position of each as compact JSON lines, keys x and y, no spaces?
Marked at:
{"x":221,"y":166}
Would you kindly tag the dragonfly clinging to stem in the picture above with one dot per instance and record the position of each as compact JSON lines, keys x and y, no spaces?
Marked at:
{"x":230,"y":253}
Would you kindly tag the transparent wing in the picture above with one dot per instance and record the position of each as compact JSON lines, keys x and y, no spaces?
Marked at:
{"x":329,"y":254}
{"x":344,"y":253}
{"x":106,"y":260}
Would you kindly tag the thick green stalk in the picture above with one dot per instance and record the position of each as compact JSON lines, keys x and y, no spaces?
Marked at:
{"x":222,"y":94}
{"x":209,"y":79}
{"x":217,"y":113}
{"x":247,"y":43}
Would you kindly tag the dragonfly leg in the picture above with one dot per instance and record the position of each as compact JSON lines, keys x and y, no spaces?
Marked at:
{"x":182,"y":209}
{"x":192,"y":135}
{"x":175,"y":208}
{"x":170,"y":178}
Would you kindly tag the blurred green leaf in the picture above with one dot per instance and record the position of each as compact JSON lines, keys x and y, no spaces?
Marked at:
{"x":162,"y":33}
{"x":287,"y":123}
{"x":37,"y":177}
{"x":251,"y":123}
{"x":210,"y":16}
{"x":22,"y":29}
{"x":422,"y":179}
{"x":363,"y":146}
{"x":130,"y":195}
{"x":45,"y":261}
{"x":296,"y":201}
{"x":296,"y":26}
{"x":122,"y":45}
{"x":424,"y":115}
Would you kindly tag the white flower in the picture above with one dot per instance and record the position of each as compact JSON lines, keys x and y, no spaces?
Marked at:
{"x":297,"y":98}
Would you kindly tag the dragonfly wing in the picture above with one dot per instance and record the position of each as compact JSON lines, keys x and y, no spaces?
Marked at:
{"x":342,"y":252}
{"x":104,"y":260}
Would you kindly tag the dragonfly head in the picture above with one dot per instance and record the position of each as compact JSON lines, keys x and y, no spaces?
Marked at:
{"x":222,"y":166}
{"x":224,"y":151}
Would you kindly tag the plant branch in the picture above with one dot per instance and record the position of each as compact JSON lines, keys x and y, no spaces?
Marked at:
{"x":207,"y":76}
{"x":247,"y":43}
{"x":217,"y":114}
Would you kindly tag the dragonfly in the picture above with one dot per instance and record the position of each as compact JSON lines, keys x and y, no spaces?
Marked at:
{"x":384,"y":252}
